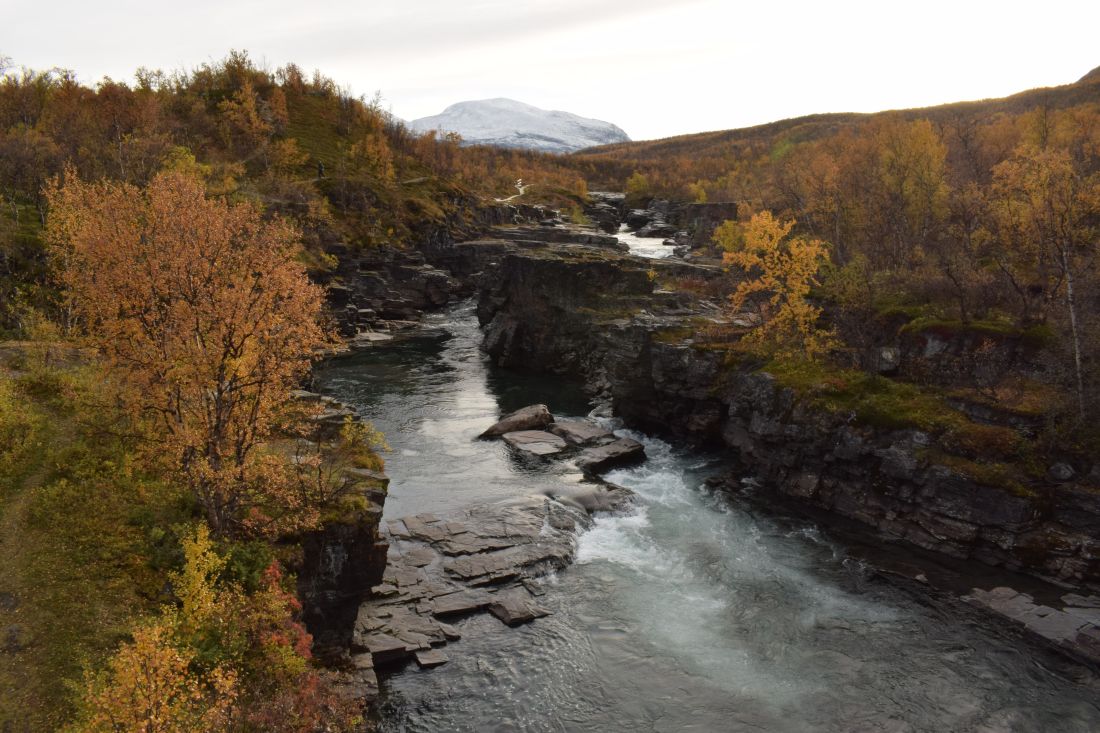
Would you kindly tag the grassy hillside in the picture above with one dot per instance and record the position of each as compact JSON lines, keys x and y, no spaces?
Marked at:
{"x":673,"y":163}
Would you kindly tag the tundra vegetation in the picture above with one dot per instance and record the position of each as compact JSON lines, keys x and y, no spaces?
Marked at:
{"x":159,"y":245}
{"x":977,"y":223}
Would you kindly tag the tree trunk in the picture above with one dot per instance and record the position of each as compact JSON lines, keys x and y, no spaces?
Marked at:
{"x":1071,"y":306}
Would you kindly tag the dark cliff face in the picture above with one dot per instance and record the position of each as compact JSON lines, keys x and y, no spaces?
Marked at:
{"x":341,"y":562}
{"x":601,"y":318}
{"x":380,"y":287}
{"x":345,"y":556}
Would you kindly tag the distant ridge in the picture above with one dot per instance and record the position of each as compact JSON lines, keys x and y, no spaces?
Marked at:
{"x":1092,"y":76}
{"x":809,"y":127}
{"x":507,"y":123}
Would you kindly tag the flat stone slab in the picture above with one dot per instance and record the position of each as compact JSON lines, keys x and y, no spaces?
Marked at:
{"x":1075,"y":599}
{"x":419,"y":556}
{"x":1072,"y":629}
{"x":462,"y":602}
{"x":532,"y":417}
{"x":384,"y":649}
{"x":535,"y":442}
{"x":581,"y":432}
{"x":516,"y":607}
{"x":485,"y":559}
{"x":431,"y":658}
{"x":622,"y":452}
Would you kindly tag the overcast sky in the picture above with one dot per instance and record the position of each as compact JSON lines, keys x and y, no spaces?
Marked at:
{"x":653,"y":67}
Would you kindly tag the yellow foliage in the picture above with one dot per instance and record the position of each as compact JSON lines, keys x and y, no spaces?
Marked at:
{"x":194,"y":585}
{"x":286,"y":156}
{"x":149,"y":686}
{"x":222,"y":660}
{"x":371,"y":155}
{"x":637,"y":184}
{"x":785,"y":268}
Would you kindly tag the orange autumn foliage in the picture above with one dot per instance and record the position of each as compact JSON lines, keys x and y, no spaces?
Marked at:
{"x":200,"y":309}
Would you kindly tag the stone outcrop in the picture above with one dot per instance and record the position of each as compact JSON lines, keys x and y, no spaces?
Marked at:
{"x":658,"y":229}
{"x":1075,"y":628}
{"x":598,"y":315}
{"x":600,"y":449}
{"x":603,"y":458}
{"x":382,"y":288}
{"x":487,"y":559}
{"x":581,"y":432}
{"x":344,"y":558}
{"x":532,"y":417}
{"x":605,"y":210}
{"x":536,"y":442}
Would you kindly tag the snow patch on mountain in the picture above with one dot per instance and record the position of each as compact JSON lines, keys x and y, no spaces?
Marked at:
{"x":507,"y":123}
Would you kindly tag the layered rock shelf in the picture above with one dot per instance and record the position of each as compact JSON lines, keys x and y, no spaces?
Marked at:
{"x":597,"y":449}
{"x":487,"y":559}
{"x":566,"y":302}
{"x":1075,"y":628}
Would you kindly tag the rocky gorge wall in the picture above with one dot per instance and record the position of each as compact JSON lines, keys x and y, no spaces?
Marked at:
{"x":602,"y":317}
{"x":345,"y":556}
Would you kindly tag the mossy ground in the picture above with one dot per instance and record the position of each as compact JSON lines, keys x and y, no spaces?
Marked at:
{"x":82,"y":536}
{"x":992,"y":455}
{"x":90,"y":527}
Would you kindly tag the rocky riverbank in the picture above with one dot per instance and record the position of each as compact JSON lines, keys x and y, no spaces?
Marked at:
{"x":488,"y":558}
{"x":567,"y":302}
{"x":568,"y":307}
{"x":602,"y":316}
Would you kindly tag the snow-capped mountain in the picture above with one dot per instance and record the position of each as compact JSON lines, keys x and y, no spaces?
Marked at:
{"x":507,"y":123}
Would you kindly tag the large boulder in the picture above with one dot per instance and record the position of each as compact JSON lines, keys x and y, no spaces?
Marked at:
{"x":623,"y":452}
{"x":604,"y":216}
{"x":532,"y":417}
{"x":638,"y":218}
{"x":659,"y":229}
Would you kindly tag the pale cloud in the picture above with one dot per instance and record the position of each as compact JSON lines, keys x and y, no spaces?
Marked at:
{"x":654,"y":67}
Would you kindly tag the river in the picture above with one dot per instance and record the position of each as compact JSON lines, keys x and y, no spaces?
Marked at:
{"x":651,"y":247}
{"x":694,"y":612}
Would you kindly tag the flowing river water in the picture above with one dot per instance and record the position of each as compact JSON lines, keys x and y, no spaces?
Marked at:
{"x":693,"y":612}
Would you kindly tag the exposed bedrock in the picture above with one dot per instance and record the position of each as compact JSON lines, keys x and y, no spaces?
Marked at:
{"x":600,"y":315}
{"x":487,"y":559}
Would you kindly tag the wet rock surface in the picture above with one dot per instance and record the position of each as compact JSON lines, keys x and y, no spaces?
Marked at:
{"x":622,"y":452}
{"x":581,"y":432}
{"x":487,"y":559}
{"x":532,"y":417}
{"x":536,"y":442}
{"x":1075,"y":627}
{"x":600,"y":449}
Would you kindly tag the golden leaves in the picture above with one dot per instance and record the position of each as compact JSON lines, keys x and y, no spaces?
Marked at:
{"x":782,"y":268}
